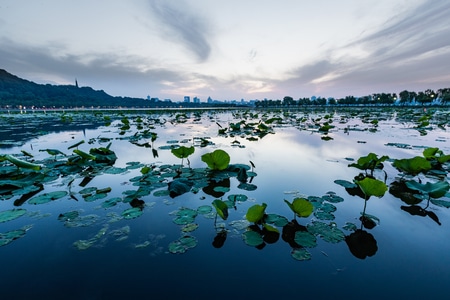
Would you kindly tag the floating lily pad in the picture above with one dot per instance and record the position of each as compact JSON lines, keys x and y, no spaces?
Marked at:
{"x":333,"y":198}
{"x":111,"y":202}
{"x":204,"y":209}
{"x":185,"y":216}
{"x":276,"y":220}
{"x":247,"y":186}
{"x":121,"y":234}
{"x":328,"y":232}
{"x":9,"y":236}
{"x":300,"y":254}
{"x":82,"y":221}
{"x":324,"y":215}
{"x":45,"y":198}
{"x":305,"y":239}
{"x":132,"y":213}
{"x":68,"y":216}
{"x":182,"y":244}
{"x":9,"y":215}
{"x":253,"y":238}
{"x":189,"y":227}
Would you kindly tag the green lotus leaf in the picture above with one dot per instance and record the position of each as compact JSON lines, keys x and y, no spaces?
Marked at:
{"x":441,"y":203}
{"x":247,"y":186}
{"x":185,"y":216}
{"x":182,"y":151}
{"x":301,"y":207}
{"x":221,"y":208}
{"x":346,"y":184}
{"x":132,"y":213}
{"x":328,"y":232}
{"x":182,"y":244}
{"x":111,"y":202}
{"x":256,"y":212}
{"x":189,"y":227}
{"x":12,"y":214}
{"x":301,"y":254}
{"x":217,"y":160}
{"x":276,"y":220}
{"x":22,"y":163}
{"x":47,"y":197}
{"x":252,"y":238}
{"x":270,"y":228}
{"x":434,"y":190}
{"x":9,"y":236}
{"x":372,"y":187}
{"x":305,"y":239}
{"x":413,"y":165}
{"x":237,"y":197}
{"x":70,"y":215}
{"x":204,"y":209}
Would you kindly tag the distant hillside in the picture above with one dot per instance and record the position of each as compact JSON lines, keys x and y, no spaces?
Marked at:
{"x":16,"y":92}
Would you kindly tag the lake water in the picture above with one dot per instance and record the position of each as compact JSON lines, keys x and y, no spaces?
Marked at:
{"x":112,"y":233}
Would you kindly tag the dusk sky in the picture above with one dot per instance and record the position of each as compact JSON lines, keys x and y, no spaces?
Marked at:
{"x":234,"y":49}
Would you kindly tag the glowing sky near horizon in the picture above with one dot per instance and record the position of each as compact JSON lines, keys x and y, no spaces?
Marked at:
{"x":250,"y":49}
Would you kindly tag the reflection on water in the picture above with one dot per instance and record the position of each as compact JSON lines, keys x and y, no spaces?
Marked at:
{"x":160,"y":219}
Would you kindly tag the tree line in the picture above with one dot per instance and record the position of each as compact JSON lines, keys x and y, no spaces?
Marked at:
{"x":427,"y":97}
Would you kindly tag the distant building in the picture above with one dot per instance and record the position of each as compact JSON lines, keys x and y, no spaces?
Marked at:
{"x":187,"y":99}
{"x":209,"y":100}
{"x":196,"y":100}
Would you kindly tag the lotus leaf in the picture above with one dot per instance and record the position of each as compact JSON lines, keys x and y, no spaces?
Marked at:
{"x":332,"y":198}
{"x":300,"y":254}
{"x":47,"y":197}
{"x":434,"y":190}
{"x":256,"y":212}
{"x":276,"y":220}
{"x":247,"y":186}
{"x":9,"y":236}
{"x":185,"y":216}
{"x":237,"y":197}
{"x":221,"y":208}
{"x":111,"y":202}
{"x":372,"y":187}
{"x":189,"y":227}
{"x":328,"y":232}
{"x":204,"y":209}
{"x":305,"y":239}
{"x":132,"y":213}
{"x":12,"y":214}
{"x":183,"y":152}
{"x":182,"y":244}
{"x":324,"y":215}
{"x":253,"y":238}
{"x":81,"y":221}
{"x":441,"y":203}
{"x":217,"y":160}
{"x":413,"y":165}
{"x":71,"y":215}
{"x":345,"y":183}
{"x":301,"y":207}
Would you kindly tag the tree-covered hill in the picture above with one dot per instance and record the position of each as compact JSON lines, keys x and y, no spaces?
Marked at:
{"x":16,"y":92}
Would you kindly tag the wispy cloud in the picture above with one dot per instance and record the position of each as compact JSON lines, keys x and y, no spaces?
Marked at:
{"x":183,"y":26}
{"x":406,"y":53}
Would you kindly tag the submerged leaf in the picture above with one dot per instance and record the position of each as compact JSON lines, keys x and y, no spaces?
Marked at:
{"x":12,"y":214}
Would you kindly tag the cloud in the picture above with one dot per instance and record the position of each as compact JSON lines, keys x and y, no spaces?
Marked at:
{"x":118,"y":75}
{"x":183,"y":26}
{"x":409,"y":52}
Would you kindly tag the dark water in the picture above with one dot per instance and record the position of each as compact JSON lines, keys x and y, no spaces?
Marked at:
{"x":410,"y":259}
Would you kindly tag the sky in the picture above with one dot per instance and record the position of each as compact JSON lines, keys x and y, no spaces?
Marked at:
{"x":229,"y":50}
